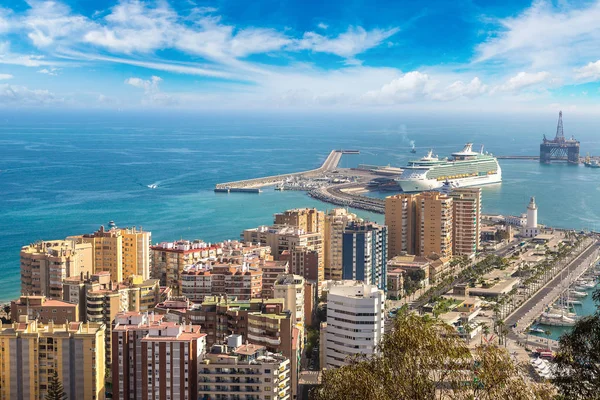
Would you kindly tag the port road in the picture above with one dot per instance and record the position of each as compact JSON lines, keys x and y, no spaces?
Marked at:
{"x":532,"y":308}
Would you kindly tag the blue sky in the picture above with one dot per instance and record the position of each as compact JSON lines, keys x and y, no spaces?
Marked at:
{"x":275,"y":54}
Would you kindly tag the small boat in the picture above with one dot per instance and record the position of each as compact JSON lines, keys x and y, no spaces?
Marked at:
{"x":556,"y":320}
{"x":413,"y":150}
{"x":536,"y":330}
{"x":153,"y":186}
{"x":575,"y":302}
{"x":575,"y":293}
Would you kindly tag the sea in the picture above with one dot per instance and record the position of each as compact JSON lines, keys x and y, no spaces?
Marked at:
{"x":67,"y":173}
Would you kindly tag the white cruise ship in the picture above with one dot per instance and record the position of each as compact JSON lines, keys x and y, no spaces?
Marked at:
{"x":465,"y":168}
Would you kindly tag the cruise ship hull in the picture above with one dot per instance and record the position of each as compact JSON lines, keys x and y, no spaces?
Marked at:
{"x":422,"y":185}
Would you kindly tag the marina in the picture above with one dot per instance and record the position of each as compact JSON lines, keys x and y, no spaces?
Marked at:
{"x":538,"y":311}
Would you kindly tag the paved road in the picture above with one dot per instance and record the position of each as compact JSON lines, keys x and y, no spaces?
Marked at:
{"x":537,"y":300}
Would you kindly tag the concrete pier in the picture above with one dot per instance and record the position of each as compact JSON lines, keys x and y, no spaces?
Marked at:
{"x":330,"y":164}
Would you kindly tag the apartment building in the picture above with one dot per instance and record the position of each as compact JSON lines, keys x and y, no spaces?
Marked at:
{"x":121,"y":252}
{"x":244,"y":371}
{"x":335,"y":223}
{"x":169,"y":259}
{"x":355,"y":321}
{"x":45,"y":264}
{"x":420,"y":224}
{"x":201,"y":280}
{"x":281,"y":238}
{"x":307,"y":219}
{"x":32,"y":352}
{"x":365,"y":253}
{"x":154,"y":359}
{"x":305,"y":262}
{"x":271,"y":270}
{"x":401,"y":220}
{"x":291,"y":289}
{"x":434,"y":216}
{"x":101,"y":299}
{"x":44,"y":310}
{"x":466,"y":217}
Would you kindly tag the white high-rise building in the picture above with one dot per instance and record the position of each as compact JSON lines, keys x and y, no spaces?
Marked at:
{"x":531,"y":228}
{"x":355,"y":321}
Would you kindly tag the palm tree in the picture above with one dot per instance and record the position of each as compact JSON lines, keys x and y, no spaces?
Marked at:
{"x":547,"y":333}
{"x":467,"y":328}
{"x":485,"y":330}
{"x":500,"y":329}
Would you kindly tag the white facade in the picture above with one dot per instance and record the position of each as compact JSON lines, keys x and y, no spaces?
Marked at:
{"x":245,"y":372}
{"x":355,"y":321}
{"x":531,"y":228}
{"x":514,"y":220}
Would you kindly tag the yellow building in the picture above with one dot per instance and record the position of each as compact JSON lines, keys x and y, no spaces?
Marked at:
{"x":121,"y":252}
{"x":31,"y":352}
{"x":335,"y":223}
{"x":169,"y":259}
{"x":101,"y":299}
{"x":400,"y":218}
{"x":434,"y":222}
{"x":45,"y":264}
{"x":307,"y":219}
{"x":419,"y":224}
{"x":466,"y":220}
{"x":281,"y":238}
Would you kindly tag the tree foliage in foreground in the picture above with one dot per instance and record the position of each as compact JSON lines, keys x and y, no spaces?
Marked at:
{"x":578,"y":359}
{"x":55,"y":389}
{"x":424,"y":359}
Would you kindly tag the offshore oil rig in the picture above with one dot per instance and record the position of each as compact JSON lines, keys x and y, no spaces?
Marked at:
{"x":559,"y":148}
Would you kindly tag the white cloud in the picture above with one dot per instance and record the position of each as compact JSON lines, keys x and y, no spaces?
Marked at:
{"x":322,"y":25}
{"x":49,"y":71}
{"x":354,"y":41}
{"x":48,"y":21}
{"x":460,"y":89}
{"x":13,"y":95}
{"x":5,"y":20}
{"x":107,"y":100}
{"x":523,"y":80}
{"x":26,"y":60}
{"x":409,"y":87}
{"x":149,"y":86}
{"x":152,"y":93}
{"x":589,"y":73}
{"x":4,"y":77}
{"x":133,"y":26}
{"x":544,"y":36}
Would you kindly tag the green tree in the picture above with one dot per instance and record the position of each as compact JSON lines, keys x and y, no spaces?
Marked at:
{"x":578,"y":359}
{"x":422,"y":358}
{"x":55,"y":389}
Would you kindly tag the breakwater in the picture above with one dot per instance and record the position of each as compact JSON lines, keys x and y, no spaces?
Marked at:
{"x":329,"y":165}
{"x":336,"y":195}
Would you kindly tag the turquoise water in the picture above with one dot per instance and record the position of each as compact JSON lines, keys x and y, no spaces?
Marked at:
{"x":68,"y":174}
{"x":587,"y":307}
